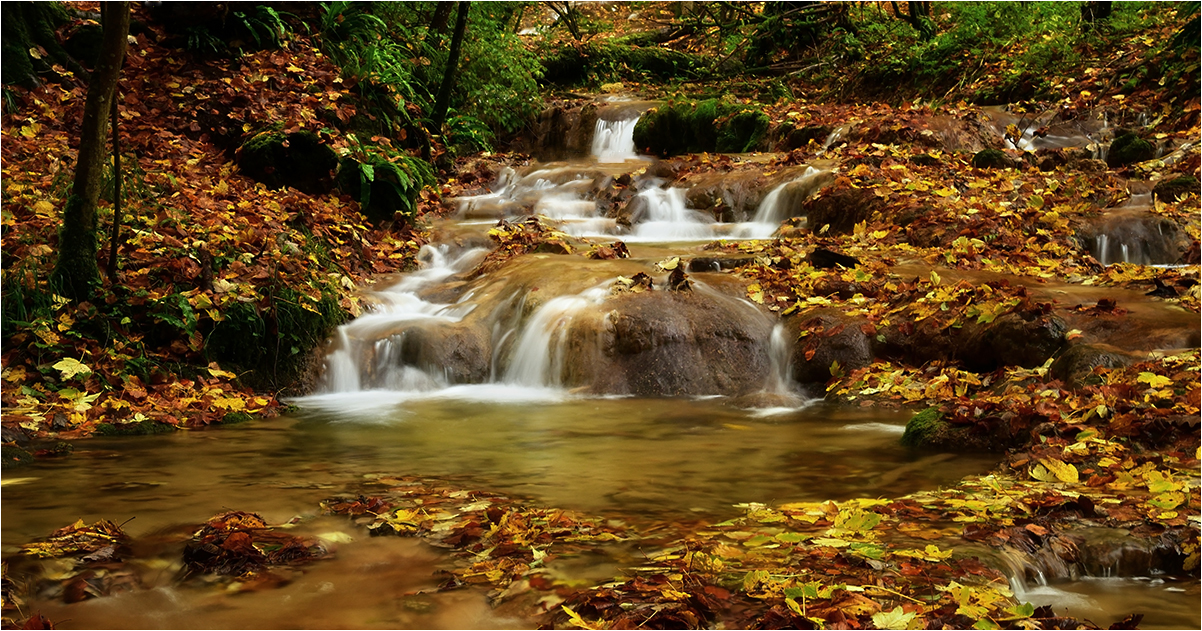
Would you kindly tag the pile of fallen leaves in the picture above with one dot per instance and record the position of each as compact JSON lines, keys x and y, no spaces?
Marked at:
{"x":206,"y":251}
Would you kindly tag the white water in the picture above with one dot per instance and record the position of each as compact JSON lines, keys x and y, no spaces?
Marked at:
{"x":539,"y":351}
{"x":613,"y":140}
{"x":397,"y":304}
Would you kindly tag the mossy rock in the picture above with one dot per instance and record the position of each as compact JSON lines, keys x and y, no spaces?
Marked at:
{"x":236,"y":418}
{"x":928,"y":429}
{"x":991,"y":159}
{"x":298,"y":159}
{"x":706,"y":126}
{"x":601,"y":62}
{"x":12,"y":456}
{"x":145,"y":428}
{"x":1174,"y":189}
{"x":1128,"y":148}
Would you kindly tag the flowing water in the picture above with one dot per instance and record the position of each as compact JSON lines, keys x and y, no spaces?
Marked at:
{"x":501,"y":382}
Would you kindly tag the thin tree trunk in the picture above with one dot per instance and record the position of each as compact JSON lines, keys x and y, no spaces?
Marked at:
{"x":76,"y":273}
{"x":115,"y":237}
{"x":443,"y":102}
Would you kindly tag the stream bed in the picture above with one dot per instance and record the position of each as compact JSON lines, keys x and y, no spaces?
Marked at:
{"x":616,"y":457}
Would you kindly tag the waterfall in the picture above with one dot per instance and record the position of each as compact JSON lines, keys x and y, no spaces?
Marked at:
{"x":669,"y":219}
{"x":770,"y":209}
{"x":780,"y":377}
{"x":539,"y":351}
{"x":366,"y":356}
{"x":613,"y":140}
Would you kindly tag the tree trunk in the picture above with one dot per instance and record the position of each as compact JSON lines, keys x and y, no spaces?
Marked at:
{"x":443,"y":102}
{"x":29,"y":26}
{"x":76,"y":273}
{"x":1092,"y":12}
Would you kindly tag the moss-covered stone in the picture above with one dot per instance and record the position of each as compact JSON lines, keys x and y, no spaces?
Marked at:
{"x":12,"y":456}
{"x":927,"y":429}
{"x":1171,"y":190}
{"x":693,"y":127}
{"x":991,"y":159}
{"x":1128,"y":148}
{"x":145,"y":428}
{"x":601,"y":62}
{"x":234,"y":418}
{"x":299,"y":160}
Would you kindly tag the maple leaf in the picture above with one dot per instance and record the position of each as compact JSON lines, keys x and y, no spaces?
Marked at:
{"x":70,"y":368}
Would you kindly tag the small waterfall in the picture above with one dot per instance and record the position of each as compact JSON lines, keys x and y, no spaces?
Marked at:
{"x":834,"y":137}
{"x":538,"y":354}
{"x":780,"y":378}
{"x":670,"y":219}
{"x":366,"y":356}
{"x":770,"y":210}
{"x":613,"y":140}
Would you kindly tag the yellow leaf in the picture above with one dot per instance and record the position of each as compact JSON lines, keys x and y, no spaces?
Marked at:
{"x":216,"y":371}
{"x":71,"y":367}
{"x":1063,"y":471}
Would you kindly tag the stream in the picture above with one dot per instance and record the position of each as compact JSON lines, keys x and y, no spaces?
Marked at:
{"x":502,"y":382}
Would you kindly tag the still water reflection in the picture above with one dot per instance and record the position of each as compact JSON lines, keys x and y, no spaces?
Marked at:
{"x":625,"y":456}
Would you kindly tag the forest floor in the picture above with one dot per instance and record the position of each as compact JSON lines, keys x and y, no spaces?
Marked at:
{"x":1121,"y":452}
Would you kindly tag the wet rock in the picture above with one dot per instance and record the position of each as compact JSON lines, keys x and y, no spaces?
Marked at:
{"x":1024,"y":338}
{"x":717,"y":264}
{"x":299,"y":160}
{"x":840,"y":208}
{"x":462,"y":352}
{"x":1075,"y":365}
{"x":789,"y":137}
{"x":563,"y":131}
{"x":705,"y":126}
{"x":1128,"y":148}
{"x":1134,"y":236}
{"x":660,"y":343}
{"x":1020,"y":338}
{"x":12,"y":456}
{"x":832,"y":337}
{"x":1169,"y":190}
{"x":992,"y":159}
{"x":827,"y":259}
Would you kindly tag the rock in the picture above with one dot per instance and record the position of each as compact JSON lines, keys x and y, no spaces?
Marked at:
{"x":992,"y":159}
{"x":1171,"y":190}
{"x":833,"y":337}
{"x":1018,"y":338}
{"x":705,"y":126}
{"x":840,"y":207}
{"x":12,"y":456}
{"x":660,"y":343}
{"x":1128,"y":148}
{"x":925,"y":160}
{"x":1134,"y":236}
{"x":827,"y":259}
{"x":928,"y":429}
{"x":299,"y":160}
{"x":1076,"y":363}
{"x":563,"y":131}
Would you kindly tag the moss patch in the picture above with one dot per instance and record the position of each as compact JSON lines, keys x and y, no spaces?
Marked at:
{"x":145,"y":428}
{"x":706,"y":126}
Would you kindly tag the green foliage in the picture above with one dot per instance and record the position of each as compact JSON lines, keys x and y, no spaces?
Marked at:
{"x":384,"y":181}
{"x":593,"y":64}
{"x":1128,"y":148}
{"x":260,"y":27}
{"x":711,"y":125}
{"x":396,"y":62}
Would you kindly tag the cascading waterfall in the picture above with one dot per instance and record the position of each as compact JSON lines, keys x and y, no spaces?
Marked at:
{"x":368,"y":335}
{"x":670,"y":219}
{"x":613,"y":140}
{"x":538,"y":355}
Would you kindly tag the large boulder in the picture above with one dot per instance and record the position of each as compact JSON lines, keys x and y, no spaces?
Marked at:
{"x":1075,"y":365}
{"x":824,"y":337}
{"x":662,"y":343}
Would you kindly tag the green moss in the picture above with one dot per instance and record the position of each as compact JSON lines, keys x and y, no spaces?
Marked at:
{"x":1171,"y":190}
{"x":145,"y":428}
{"x":711,"y":125}
{"x":12,"y":456}
{"x":596,"y":63}
{"x":1128,"y":148}
{"x":234,"y":418}
{"x":991,"y":159}
{"x":299,"y":160}
{"x":925,"y":429}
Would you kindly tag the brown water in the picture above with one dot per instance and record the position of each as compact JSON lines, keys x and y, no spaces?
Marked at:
{"x":616,"y":456}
